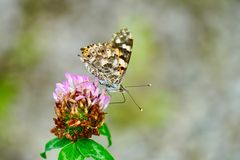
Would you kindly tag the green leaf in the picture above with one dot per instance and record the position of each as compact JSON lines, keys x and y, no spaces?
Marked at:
{"x":54,"y":144}
{"x":70,"y":152}
{"x":105,"y":131}
{"x":90,"y":148}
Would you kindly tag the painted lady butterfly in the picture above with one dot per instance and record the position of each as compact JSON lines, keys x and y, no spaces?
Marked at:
{"x":109,"y":61}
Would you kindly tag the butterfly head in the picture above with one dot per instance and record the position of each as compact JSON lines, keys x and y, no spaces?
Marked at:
{"x":111,"y":87}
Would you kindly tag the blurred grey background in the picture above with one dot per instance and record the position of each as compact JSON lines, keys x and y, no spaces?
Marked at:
{"x":188,"y":50}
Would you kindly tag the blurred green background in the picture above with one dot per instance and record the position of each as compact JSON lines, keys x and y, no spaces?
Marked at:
{"x":188,"y":50}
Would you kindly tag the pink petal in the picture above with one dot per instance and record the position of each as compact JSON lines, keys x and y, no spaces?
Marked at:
{"x":79,"y":97}
{"x":55,"y":97}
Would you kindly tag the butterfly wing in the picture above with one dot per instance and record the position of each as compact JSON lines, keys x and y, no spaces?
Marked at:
{"x":109,"y":61}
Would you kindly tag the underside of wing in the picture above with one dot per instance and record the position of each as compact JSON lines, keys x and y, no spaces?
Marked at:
{"x":123,"y":41}
{"x":109,"y":61}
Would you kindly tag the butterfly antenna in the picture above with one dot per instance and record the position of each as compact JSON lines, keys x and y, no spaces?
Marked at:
{"x":144,"y":85}
{"x":132,"y":98}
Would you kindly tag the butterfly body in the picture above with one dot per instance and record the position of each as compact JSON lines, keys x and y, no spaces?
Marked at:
{"x":109,"y":61}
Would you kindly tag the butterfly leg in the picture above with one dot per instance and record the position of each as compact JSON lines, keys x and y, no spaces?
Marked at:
{"x":109,"y":93}
{"x":123,"y":101}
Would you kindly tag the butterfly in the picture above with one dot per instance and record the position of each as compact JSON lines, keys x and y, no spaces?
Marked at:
{"x":109,"y":61}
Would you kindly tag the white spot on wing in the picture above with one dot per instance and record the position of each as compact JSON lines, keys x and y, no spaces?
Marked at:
{"x":128,"y":48}
{"x":124,"y":46}
{"x":122,"y":63}
{"x":118,"y":40}
{"x":115,"y":63}
{"x":103,"y":62}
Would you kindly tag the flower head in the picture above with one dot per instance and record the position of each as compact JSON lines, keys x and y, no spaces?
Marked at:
{"x":79,"y":106}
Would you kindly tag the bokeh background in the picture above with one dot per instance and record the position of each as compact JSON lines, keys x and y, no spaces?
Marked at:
{"x":188,"y":50}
